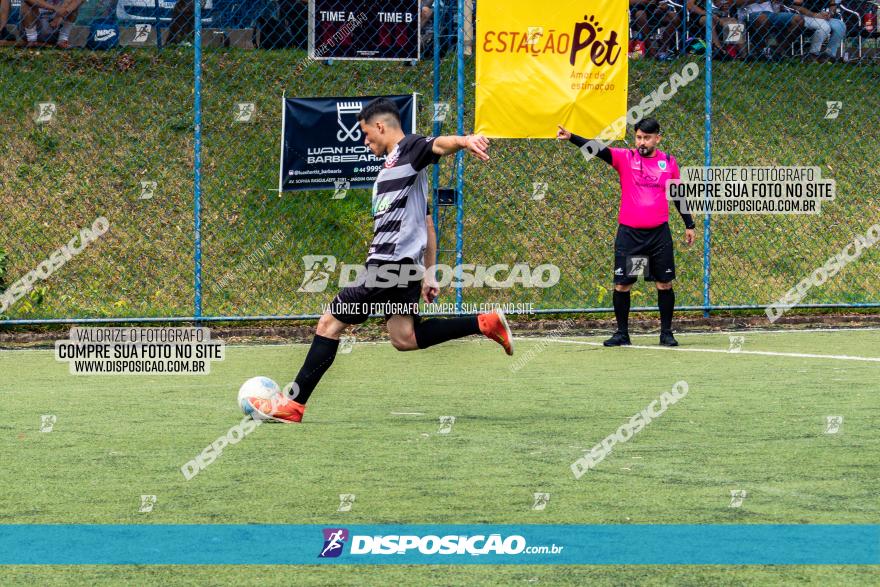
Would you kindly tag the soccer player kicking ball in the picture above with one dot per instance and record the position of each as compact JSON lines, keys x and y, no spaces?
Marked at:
{"x":403,"y":239}
{"x":643,"y":231}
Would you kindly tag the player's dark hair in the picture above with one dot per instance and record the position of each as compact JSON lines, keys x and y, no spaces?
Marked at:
{"x":648,"y":126}
{"x":377,"y":107}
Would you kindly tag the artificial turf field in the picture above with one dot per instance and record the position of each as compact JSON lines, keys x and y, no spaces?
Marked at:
{"x":753,"y":422}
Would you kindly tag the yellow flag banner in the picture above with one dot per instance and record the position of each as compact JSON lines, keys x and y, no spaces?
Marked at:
{"x":540,"y":64}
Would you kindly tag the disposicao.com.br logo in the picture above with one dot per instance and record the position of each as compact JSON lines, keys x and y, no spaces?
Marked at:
{"x":334,"y":540}
{"x":319,"y":269}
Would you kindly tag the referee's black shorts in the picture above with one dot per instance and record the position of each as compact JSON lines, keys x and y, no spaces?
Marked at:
{"x":355,"y":303}
{"x":643,"y":252}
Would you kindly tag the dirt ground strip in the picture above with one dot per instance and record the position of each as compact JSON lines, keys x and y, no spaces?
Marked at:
{"x":570,"y":325}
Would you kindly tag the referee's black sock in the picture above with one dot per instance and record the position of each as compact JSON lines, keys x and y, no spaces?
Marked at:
{"x":318,"y":360}
{"x":621,"y":310}
{"x":435,"y":331}
{"x":666,"y":303}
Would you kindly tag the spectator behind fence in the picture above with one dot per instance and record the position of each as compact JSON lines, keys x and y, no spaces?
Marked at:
{"x":4,"y":18}
{"x":763,"y":17}
{"x":426,"y":22}
{"x":823,"y":18}
{"x":722,"y":15}
{"x":48,"y":21}
{"x":447,"y":12}
{"x":294,"y":15}
{"x":182,"y":21}
{"x":654,"y":16}
{"x":289,"y":29}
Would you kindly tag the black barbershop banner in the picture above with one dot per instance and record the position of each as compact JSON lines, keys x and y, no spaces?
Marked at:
{"x":364,"y":29}
{"x":322,"y":146}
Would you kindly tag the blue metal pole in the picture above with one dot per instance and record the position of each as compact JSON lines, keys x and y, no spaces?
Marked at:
{"x":707,"y":221}
{"x":459,"y":160}
{"x":684,"y":28}
{"x":436,"y":128}
{"x":157,"y":25}
{"x":197,"y":161}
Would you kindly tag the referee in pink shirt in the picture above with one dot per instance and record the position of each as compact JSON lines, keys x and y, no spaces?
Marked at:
{"x":643,"y":245}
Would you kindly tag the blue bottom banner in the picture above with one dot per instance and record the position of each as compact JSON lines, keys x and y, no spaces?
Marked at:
{"x":147,"y":544}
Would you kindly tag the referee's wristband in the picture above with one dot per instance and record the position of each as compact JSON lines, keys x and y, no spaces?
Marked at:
{"x":692,"y":227}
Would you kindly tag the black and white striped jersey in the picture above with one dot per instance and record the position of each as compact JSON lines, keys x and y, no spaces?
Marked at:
{"x":400,"y":202}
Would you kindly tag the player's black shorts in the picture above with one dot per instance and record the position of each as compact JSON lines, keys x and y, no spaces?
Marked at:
{"x":643,"y":251}
{"x":354,"y":304}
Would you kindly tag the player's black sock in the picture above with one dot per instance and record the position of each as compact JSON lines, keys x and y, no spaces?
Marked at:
{"x":666,"y":303}
{"x":621,"y":310}
{"x":431,"y":332}
{"x":318,"y":360}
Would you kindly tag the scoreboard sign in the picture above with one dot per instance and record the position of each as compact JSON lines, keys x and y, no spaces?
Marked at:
{"x":364,"y":29}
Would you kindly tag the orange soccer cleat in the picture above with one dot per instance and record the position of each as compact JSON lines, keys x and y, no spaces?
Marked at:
{"x":279,"y":409}
{"x":494,"y":325}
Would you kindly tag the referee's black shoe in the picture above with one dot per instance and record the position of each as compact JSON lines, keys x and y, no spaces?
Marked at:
{"x":666,"y":338}
{"x":618,"y":339}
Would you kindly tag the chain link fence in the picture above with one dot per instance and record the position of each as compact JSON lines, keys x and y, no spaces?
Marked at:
{"x":800,"y":92}
{"x":94,"y":133}
{"x":186,"y":174}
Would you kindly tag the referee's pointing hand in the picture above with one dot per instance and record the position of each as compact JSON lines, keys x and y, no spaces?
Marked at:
{"x":562,"y":134}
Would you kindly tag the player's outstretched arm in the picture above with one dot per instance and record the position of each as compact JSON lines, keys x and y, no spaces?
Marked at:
{"x":578,"y":141}
{"x":564,"y":134}
{"x":476,"y":145}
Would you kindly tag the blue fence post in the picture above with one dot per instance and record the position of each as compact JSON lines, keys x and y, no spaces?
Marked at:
{"x":157,"y":24}
{"x":684,"y":29}
{"x":459,"y":159}
{"x":436,"y":126}
{"x":707,"y":221}
{"x":197,"y":161}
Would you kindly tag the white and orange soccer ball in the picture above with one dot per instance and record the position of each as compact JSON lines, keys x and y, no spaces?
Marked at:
{"x":261,"y":387}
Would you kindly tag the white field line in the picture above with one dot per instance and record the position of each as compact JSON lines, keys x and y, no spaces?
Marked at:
{"x":775,"y":331}
{"x":724,"y":352}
